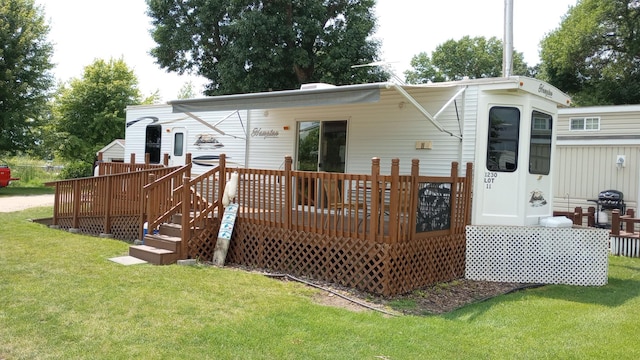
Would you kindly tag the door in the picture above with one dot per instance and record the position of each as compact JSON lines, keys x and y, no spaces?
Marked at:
{"x":322,"y":146}
{"x":178,"y":152}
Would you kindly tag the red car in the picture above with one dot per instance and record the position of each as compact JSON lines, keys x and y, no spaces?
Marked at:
{"x":5,"y":176}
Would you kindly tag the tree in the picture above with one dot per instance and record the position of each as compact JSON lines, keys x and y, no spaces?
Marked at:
{"x":89,"y":112}
{"x":187,"y":91}
{"x":25,"y":78}
{"x":246,"y":46}
{"x":468,"y":57}
{"x":595,"y":53}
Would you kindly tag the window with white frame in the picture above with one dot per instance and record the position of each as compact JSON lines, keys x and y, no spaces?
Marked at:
{"x":585,"y":124}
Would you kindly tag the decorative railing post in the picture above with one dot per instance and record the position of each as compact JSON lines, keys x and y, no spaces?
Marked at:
{"x":185,"y":234}
{"x":375,"y":199}
{"x":288,"y":191}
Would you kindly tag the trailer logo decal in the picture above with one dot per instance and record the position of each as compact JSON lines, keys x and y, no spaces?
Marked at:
{"x":537,"y":199}
{"x":207,"y":141}
{"x":546,"y":92}
{"x":271,"y":133}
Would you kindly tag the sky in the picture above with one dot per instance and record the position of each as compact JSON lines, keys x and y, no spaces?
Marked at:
{"x":85,"y":30}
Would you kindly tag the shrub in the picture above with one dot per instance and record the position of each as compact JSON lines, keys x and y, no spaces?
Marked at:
{"x":76,"y":169}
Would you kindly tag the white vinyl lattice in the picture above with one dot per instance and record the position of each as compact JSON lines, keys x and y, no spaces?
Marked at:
{"x":532,"y":254}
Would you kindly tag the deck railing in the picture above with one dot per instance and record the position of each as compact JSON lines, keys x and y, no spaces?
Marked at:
{"x":107,"y":204}
{"x":382,"y":208}
{"x":110,"y":168}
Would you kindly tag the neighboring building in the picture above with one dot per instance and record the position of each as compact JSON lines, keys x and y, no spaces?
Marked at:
{"x":597,"y":150}
{"x":113,"y":152}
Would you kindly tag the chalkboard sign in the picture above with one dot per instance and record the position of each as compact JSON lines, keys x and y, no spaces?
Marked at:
{"x":434,"y":207}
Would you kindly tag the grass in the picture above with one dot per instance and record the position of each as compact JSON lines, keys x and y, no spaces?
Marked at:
{"x":33,"y":173}
{"x":61,"y":298}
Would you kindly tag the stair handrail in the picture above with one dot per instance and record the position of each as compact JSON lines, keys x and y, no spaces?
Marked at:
{"x":204,"y":199}
{"x":162,"y":199}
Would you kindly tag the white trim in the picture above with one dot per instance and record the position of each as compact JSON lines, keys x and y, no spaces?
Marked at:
{"x":598,"y":109}
{"x":598,"y":142}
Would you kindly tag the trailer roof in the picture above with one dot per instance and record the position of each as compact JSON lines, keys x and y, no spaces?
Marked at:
{"x":354,"y":94}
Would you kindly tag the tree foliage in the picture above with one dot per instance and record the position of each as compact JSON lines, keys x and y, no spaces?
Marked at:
{"x":246,"y":46}
{"x":595,"y":53}
{"x":89,"y":112}
{"x":25,"y":78}
{"x":475,"y":58}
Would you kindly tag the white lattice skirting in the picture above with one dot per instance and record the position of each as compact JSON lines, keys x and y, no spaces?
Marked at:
{"x":625,"y":246}
{"x":534,"y":254}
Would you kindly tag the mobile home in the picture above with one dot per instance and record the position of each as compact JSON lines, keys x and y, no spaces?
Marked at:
{"x":156,"y":130}
{"x":504,"y":126}
{"x":597,"y":150}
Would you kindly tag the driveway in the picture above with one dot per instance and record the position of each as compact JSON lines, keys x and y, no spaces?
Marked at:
{"x":18,"y":203}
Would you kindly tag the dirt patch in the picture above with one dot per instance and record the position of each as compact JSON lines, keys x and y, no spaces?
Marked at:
{"x":429,"y":300}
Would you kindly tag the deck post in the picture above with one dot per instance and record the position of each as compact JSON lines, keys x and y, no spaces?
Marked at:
{"x":165,"y":159}
{"x":468,"y":188}
{"x":288,"y":192}
{"x":393,"y":200}
{"x":76,"y":204}
{"x":187,"y":161}
{"x":591,"y":218}
{"x":185,"y":231}
{"x":222,"y":181}
{"x":107,"y":209}
{"x":98,"y":162}
{"x":629,"y":225}
{"x":413,"y":200}
{"x":615,"y":222}
{"x":375,"y":199}
{"x":453,"y":224}
{"x":577,"y":216}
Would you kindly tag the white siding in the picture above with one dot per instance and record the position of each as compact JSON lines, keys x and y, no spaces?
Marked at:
{"x":586,"y":160}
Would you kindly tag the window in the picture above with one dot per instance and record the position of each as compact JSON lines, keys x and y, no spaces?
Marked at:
{"x":540,"y":146}
{"x":178,"y":144}
{"x":585,"y":123}
{"x":504,"y":133}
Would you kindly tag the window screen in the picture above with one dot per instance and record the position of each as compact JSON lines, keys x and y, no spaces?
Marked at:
{"x":540,"y":148}
{"x":504,"y":132}
{"x":178,"y":144}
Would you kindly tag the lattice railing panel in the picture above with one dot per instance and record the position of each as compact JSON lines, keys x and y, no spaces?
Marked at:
{"x":349,"y":262}
{"x":125,"y":227}
{"x":572,"y":256}
{"x":426,"y":261}
{"x":203,"y":242}
{"x":91,"y":225}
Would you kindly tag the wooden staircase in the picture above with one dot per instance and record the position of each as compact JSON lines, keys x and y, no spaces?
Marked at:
{"x":162,"y":248}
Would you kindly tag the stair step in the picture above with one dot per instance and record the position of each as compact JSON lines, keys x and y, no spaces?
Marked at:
{"x":171,"y":229}
{"x":153,"y":255}
{"x":161,"y":241}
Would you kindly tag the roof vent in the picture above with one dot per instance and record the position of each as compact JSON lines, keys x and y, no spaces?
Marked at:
{"x":312,"y":86}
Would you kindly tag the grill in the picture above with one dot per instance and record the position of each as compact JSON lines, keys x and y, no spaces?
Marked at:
{"x":608,"y":200}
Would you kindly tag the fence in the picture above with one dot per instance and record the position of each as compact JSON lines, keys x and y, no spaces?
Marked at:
{"x":107,"y":204}
{"x":384,"y":234}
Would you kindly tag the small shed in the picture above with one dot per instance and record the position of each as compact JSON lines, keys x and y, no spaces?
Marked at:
{"x":113,"y":152}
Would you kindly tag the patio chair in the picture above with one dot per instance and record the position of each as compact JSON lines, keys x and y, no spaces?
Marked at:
{"x":335,"y":200}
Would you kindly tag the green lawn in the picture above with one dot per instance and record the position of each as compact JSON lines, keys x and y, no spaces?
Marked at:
{"x":61,"y":298}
